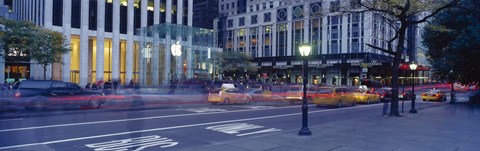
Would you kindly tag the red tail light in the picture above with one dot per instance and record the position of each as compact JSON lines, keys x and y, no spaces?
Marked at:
{"x":423,"y":94}
{"x":17,"y":94}
{"x":437,"y":95}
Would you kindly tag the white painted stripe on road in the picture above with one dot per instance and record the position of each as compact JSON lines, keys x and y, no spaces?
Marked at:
{"x":175,"y":127}
{"x":136,"y":119}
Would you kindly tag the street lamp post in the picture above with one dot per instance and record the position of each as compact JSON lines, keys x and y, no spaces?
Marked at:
{"x":305,"y":51}
{"x":413,"y":67}
{"x":452,"y":91}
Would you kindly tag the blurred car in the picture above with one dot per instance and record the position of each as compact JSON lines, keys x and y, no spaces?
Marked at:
{"x":474,"y":97}
{"x":337,"y":96}
{"x":408,"y":95}
{"x":260,"y":94}
{"x":39,"y":94}
{"x":228,"y":96}
{"x":434,"y":95}
{"x":385,"y":94}
{"x":365,"y":96}
{"x":295,"y":94}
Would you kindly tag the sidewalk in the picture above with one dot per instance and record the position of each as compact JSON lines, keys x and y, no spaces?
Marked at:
{"x":442,"y":128}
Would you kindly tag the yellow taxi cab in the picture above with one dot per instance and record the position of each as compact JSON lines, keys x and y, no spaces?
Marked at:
{"x":295,"y":94}
{"x":228,"y":96}
{"x":260,"y":95}
{"x":337,"y":96}
{"x":366,"y":96}
{"x":434,"y":95}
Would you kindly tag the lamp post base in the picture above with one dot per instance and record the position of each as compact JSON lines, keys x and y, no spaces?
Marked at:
{"x":304,"y":132}
{"x":413,"y":111}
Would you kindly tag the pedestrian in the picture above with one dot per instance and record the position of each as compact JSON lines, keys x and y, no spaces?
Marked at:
{"x":173,"y":86}
{"x":130,"y":84}
{"x":94,"y":86}
{"x":87,"y":87}
{"x":115,"y":84}
{"x":100,"y":84}
{"x":386,"y":101}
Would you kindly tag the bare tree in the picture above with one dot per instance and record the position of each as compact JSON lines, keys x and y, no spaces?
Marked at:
{"x":399,"y":15}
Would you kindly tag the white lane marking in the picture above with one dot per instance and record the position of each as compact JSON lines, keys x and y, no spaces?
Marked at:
{"x":261,"y":131}
{"x":240,"y":128}
{"x":138,"y":144}
{"x":135,"y":119}
{"x":175,"y":127}
{"x":203,"y":110}
{"x":256,"y":107}
{"x":15,"y":119}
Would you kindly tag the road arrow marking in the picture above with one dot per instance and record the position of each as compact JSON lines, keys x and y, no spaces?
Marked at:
{"x":137,"y":144}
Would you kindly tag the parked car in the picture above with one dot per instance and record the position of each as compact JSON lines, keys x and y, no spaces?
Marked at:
{"x":228,"y":96}
{"x":434,"y":95}
{"x":474,"y":97}
{"x":295,"y":94}
{"x":337,"y":96}
{"x":39,"y":94}
{"x":365,"y":96}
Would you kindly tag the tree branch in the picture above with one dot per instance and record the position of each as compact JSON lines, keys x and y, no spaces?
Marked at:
{"x":381,"y":49}
{"x":389,"y":12}
{"x":436,"y":11}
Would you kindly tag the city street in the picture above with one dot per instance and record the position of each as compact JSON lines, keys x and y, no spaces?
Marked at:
{"x":177,"y":127}
{"x":239,"y":75}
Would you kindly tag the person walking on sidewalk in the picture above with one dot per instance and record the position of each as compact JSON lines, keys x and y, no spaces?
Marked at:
{"x":387,"y":96}
{"x":385,"y":107}
{"x":173,"y":86}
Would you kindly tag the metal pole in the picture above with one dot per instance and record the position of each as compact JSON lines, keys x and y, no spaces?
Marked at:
{"x":403,"y":91}
{"x":452,"y":94}
{"x":413,"y":110}
{"x":304,"y":130}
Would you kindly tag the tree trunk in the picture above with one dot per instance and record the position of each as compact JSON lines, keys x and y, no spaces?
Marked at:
{"x":16,"y":76}
{"x":395,"y":68}
{"x":44,"y":72}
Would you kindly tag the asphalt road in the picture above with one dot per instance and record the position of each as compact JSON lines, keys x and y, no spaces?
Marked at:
{"x":182,"y":127}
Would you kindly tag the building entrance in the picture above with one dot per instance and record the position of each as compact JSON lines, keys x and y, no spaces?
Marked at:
{"x":17,"y":72}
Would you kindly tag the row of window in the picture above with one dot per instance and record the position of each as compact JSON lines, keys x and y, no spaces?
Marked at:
{"x":257,"y":6}
{"x":298,"y":12}
{"x":354,"y":41}
{"x":227,"y":6}
{"x":93,"y":14}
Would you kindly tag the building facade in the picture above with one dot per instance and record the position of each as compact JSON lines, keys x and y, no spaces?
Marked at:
{"x":272,"y":31}
{"x":103,"y":35}
{"x":206,"y":11}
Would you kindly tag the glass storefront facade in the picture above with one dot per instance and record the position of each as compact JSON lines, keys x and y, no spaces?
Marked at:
{"x":173,"y":52}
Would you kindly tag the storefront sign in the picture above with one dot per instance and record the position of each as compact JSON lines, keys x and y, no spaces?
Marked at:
{"x":324,"y":65}
{"x":297,"y":72}
{"x":369,"y":64}
{"x":282,"y":66}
